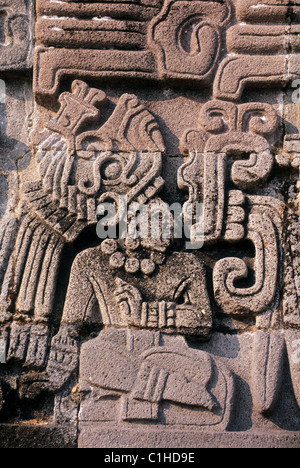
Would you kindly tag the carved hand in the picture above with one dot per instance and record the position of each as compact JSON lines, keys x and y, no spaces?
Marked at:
{"x":188,"y":316}
{"x":63,"y":362}
{"x":129,"y":300}
{"x":29,"y":344}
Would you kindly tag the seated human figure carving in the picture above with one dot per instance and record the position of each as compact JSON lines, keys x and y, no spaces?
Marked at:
{"x":171,"y":300}
{"x":137,"y":286}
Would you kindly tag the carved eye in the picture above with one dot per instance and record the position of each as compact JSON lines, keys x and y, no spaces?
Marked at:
{"x":195,"y":34}
{"x":111,"y":170}
{"x":183,"y":299}
{"x":181,"y":295}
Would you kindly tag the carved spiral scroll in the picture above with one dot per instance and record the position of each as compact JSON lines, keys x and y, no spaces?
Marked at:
{"x":247,"y":174}
{"x":257,"y":298}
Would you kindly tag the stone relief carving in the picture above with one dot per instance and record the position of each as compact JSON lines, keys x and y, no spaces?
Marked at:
{"x":16,"y":24}
{"x":268,"y":355}
{"x":158,"y":372}
{"x":127,"y":331}
{"x":229,"y":157}
{"x":162,"y":40}
{"x":186,"y":38}
{"x":232,"y":132}
{"x":272,"y":31}
{"x":171,"y":40}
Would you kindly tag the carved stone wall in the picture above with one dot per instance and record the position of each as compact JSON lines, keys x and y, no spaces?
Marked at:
{"x":141,"y":339}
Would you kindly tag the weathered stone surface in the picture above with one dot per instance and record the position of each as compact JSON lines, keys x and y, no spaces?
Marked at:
{"x":124,"y":322}
{"x":110,"y":437}
{"x":268,"y":355}
{"x":177,"y":40}
{"x":155,"y":375}
{"x":16,"y":35}
{"x":292,"y":340}
{"x":186,"y":38}
{"x":14,"y":436}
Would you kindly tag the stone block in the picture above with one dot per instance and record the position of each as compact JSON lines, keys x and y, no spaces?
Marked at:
{"x":16,"y":35}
